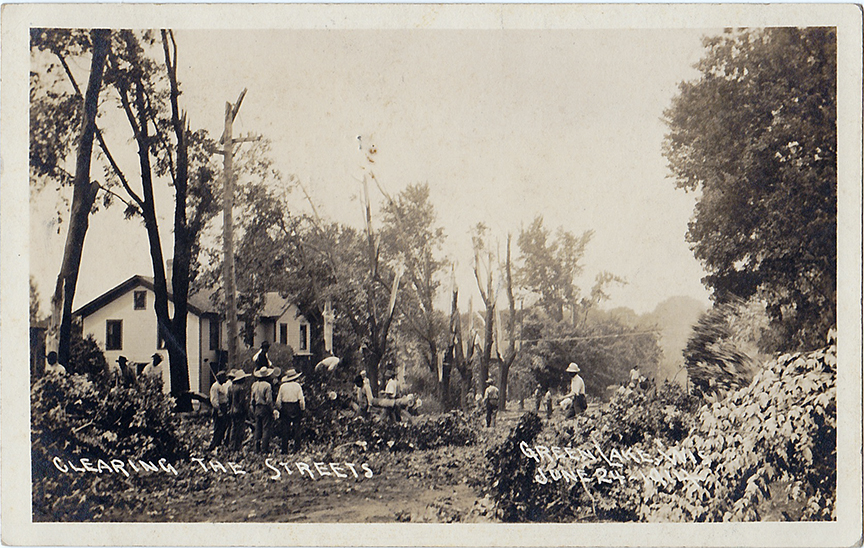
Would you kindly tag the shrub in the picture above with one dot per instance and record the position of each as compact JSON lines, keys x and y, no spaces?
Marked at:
{"x":86,"y":358}
{"x":73,"y":417}
{"x":426,"y":432}
{"x":766,"y":449}
{"x":517,"y":497}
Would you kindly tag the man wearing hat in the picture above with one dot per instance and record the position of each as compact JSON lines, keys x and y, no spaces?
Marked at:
{"x":237,"y":406}
{"x":126,"y":373}
{"x":490,"y":401}
{"x":262,"y":408}
{"x":219,"y":401}
{"x":153,"y":369}
{"x":291,"y":404}
{"x":577,"y":391}
{"x":261,"y":359}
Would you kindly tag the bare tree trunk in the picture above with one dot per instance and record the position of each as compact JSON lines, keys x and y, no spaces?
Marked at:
{"x":511,"y":331}
{"x":83,"y":196}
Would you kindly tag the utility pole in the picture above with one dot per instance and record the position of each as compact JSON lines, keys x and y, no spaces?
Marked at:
{"x":229,"y":280}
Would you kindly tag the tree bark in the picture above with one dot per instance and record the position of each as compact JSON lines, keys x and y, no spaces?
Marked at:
{"x":511,"y":331}
{"x":84,"y":194}
{"x":178,"y":361}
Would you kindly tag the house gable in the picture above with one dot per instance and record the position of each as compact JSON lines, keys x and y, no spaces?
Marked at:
{"x":118,"y":291}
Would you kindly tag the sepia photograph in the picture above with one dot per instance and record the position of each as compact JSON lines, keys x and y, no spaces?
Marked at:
{"x":396,"y":265}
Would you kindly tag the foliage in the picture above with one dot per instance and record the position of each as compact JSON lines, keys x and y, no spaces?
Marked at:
{"x":517,"y":496}
{"x":550,"y":266}
{"x":73,"y":417}
{"x":636,"y":417}
{"x":765,"y":446}
{"x":410,"y":238}
{"x":425,"y":432}
{"x":604,"y":347}
{"x":35,"y":314}
{"x":756,"y":134}
{"x":86,"y":358}
{"x":715,"y":364}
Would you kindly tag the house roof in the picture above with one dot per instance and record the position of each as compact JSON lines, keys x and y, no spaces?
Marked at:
{"x":198,"y":305}
{"x":274,"y":305}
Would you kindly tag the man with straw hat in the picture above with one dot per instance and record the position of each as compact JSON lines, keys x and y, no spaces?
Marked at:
{"x":577,"y":391}
{"x":237,"y":406}
{"x":262,"y":408}
{"x":291,"y":404}
{"x":490,"y":401}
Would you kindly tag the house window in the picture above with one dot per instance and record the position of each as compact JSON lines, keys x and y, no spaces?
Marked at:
{"x":114,"y":335}
{"x":304,"y":337}
{"x":140,"y":300}
{"x":214,"y":334}
{"x":283,"y":333}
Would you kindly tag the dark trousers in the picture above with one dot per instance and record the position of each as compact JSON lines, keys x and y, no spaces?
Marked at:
{"x":491,"y":413}
{"x":263,"y":416}
{"x":220,"y":427}
{"x":238,"y":431}
{"x":289,"y":418}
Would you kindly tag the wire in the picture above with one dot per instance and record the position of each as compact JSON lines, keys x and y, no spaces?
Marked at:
{"x":592,"y":337}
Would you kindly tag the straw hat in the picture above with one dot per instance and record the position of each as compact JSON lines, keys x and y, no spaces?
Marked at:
{"x":573,"y":368}
{"x":238,"y":374}
{"x":291,"y":375}
{"x":263,"y":373}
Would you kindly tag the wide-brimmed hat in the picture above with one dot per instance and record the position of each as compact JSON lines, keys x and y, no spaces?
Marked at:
{"x":122,"y":359}
{"x":573,"y":368}
{"x":291,"y":375}
{"x":238,"y":374}
{"x":221,"y":375}
{"x":264,"y":372}
{"x":490,"y":380}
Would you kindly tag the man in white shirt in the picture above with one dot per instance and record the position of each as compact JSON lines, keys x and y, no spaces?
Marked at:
{"x":290,"y":404}
{"x":577,"y":391}
{"x":153,"y":369}
{"x":219,"y":401}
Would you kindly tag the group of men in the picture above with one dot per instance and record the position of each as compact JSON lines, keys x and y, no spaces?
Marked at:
{"x":123,"y":372}
{"x":233,"y":403}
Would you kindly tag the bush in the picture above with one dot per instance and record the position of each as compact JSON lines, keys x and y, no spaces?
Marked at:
{"x":633,"y":418}
{"x":73,"y":417}
{"x":767,"y":451}
{"x":86,"y":358}
{"x":517,"y":497}
{"x":426,"y":432}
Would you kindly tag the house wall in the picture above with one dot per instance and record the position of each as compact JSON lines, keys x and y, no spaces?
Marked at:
{"x":294,"y":320}
{"x":267,"y":329}
{"x":140,"y":337}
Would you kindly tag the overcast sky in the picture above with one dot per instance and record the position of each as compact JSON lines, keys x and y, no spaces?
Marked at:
{"x":504,"y":125}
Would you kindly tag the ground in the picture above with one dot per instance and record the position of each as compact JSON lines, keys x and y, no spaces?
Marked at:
{"x":445,"y":484}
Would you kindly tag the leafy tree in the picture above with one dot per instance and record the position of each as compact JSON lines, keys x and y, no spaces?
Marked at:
{"x":48,"y":147}
{"x":757,"y":135}
{"x":409,"y":237}
{"x":550,"y":266}
{"x":146,"y":89}
{"x":35,"y":314}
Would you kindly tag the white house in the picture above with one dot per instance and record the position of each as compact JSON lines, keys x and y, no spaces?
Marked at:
{"x":123,"y":322}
